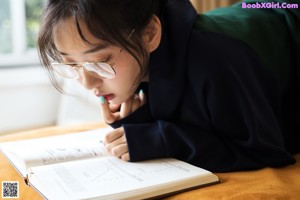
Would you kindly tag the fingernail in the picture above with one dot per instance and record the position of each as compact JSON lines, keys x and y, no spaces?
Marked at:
{"x":102,"y":99}
{"x":141,"y":91}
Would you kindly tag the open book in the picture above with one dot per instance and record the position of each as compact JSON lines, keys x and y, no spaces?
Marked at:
{"x":76,"y":166}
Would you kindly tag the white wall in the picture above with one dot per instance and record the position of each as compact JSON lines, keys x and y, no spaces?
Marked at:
{"x":27,"y":99}
{"x":80,"y":107}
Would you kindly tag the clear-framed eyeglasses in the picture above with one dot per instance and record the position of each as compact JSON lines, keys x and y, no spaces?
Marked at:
{"x":72,"y":70}
{"x":102,"y":69}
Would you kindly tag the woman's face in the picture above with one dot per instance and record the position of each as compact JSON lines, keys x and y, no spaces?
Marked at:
{"x":72,"y":49}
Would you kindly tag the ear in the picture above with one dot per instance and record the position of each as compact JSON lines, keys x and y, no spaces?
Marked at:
{"x":152,"y":34}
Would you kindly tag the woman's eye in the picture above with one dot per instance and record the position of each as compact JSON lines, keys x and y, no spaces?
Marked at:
{"x":108,"y":59}
{"x":105,"y":59}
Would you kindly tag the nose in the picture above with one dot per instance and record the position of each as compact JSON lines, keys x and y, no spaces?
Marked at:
{"x":88,"y":80}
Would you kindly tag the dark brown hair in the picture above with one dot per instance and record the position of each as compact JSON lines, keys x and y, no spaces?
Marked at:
{"x":108,"y":20}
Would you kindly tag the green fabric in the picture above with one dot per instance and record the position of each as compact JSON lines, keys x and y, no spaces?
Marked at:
{"x":274,"y":34}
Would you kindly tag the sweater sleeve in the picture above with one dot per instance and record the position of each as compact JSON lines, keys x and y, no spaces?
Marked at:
{"x":203,"y":148}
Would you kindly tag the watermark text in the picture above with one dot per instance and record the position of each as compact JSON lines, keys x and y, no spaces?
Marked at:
{"x":270,"y":5}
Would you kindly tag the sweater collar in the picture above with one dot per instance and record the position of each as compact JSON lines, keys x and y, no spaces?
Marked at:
{"x":167,"y":63}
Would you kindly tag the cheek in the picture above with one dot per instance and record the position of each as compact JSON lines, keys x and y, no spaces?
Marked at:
{"x":128,"y":74}
{"x":129,"y":67}
{"x":123,"y":84}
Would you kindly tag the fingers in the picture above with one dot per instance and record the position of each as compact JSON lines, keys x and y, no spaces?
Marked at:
{"x":108,"y":115}
{"x":114,"y":107}
{"x":142,"y":97}
{"x":121,"y":151}
{"x":125,"y":157}
{"x":132,"y":104}
{"x":139,"y":100}
{"x":126,"y":108}
{"x":114,"y":135}
{"x":112,"y":112}
{"x":116,"y":144}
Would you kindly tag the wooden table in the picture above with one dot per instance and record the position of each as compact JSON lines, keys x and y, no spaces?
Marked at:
{"x":268,"y":183}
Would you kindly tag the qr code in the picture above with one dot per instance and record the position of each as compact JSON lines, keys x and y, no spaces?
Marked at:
{"x":10,"y":189}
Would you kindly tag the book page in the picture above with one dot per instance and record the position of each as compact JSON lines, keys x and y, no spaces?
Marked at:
{"x":55,"y":149}
{"x":112,"y":178}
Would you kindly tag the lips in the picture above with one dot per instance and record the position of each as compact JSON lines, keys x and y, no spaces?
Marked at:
{"x":108,"y":97}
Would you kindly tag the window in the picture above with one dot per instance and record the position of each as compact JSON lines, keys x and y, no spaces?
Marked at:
{"x":19,"y":24}
{"x":5,"y":29}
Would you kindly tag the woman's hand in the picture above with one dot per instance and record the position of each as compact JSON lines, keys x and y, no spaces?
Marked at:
{"x":115,"y":141}
{"x":116,"y":144}
{"x":112,"y":113}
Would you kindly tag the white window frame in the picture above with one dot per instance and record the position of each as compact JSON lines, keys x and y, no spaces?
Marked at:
{"x":20,"y":56}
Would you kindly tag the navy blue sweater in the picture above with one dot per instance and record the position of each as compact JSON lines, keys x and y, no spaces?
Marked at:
{"x":211,"y":102}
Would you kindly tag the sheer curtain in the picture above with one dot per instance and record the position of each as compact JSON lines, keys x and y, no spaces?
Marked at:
{"x":205,"y":5}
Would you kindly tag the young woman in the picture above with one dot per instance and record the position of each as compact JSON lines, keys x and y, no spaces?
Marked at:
{"x":168,"y":89}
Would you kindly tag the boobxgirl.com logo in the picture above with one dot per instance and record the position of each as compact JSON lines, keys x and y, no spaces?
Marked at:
{"x":268,"y":5}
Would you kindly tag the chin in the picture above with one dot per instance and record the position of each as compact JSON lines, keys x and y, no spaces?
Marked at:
{"x":115,"y":101}
{"x":118,"y":101}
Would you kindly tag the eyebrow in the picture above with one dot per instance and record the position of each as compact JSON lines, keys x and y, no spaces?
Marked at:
{"x":92,"y":50}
